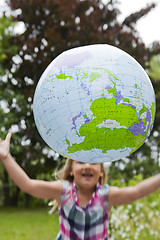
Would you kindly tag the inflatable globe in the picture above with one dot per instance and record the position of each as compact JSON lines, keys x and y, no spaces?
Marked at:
{"x":94,"y":104}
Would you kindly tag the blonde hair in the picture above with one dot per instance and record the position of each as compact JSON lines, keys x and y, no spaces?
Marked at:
{"x":64,"y":174}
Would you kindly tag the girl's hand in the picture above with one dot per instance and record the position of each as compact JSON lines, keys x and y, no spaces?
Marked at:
{"x":4,"y":147}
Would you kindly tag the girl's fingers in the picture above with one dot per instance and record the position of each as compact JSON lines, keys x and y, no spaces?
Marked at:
{"x":8,"y":137}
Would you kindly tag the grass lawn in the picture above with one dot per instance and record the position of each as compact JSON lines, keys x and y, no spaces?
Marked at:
{"x":28,"y":224}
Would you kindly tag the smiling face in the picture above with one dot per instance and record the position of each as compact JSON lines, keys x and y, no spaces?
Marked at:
{"x":86,"y":175}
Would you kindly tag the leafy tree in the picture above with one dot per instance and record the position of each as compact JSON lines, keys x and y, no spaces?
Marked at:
{"x":154,"y":73}
{"x":7,"y":50}
{"x":50,"y":27}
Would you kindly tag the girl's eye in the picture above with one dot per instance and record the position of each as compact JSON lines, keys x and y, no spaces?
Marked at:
{"x":79,"y":162}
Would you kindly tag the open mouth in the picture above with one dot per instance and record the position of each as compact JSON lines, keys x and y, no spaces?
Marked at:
{"x":87,"y":174}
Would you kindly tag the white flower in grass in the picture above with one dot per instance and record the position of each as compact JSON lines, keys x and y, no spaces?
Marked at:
{"x":126,"y":211}
{"x":142,"y":214}
{"x":147,"y":225}
{"x":112,"y":238}
{"x":139,"y":206}
{"x":136,"y":219}
{"x":153,"y":204}
{"x":125,"y":217}
{"x":128,"y":228}
{"x":133,"y":214}
{"x":129,"y":206}
{"x":152,"y":232}
{"x":151,"y":214}
{"x":156,"y":233}
{"x":141,"y":227}
{"x":136,"y":235}
{"x":123,"y":235}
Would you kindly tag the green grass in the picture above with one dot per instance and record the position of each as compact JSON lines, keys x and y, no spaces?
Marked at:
{"x":27,"y":224}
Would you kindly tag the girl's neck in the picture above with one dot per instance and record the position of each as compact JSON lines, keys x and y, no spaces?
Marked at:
{"x":84,"y":195}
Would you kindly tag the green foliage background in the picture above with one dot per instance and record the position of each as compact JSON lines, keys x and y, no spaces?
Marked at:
{"x":50,"y":27}
{"x":139,"y":220}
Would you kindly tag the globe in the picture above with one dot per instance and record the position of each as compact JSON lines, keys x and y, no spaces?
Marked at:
{"x":94,"y":104}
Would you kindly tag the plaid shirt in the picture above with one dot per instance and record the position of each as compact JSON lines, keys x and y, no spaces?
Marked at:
{"x":89,"y":222}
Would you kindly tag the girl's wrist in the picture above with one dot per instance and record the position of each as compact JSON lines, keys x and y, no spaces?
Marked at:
{"x":3,"y":159}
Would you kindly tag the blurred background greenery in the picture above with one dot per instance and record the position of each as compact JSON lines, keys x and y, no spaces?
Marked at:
{"x":32,"y":34}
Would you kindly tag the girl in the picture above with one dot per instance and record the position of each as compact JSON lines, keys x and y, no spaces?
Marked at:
{"x":83,"y":198}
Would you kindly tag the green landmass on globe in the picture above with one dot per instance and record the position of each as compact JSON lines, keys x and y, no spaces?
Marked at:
{"x":96,"y":133}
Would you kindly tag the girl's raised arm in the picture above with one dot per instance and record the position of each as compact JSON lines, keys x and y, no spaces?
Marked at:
{"x":126,"y":195}
{"x":37,"y":188}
